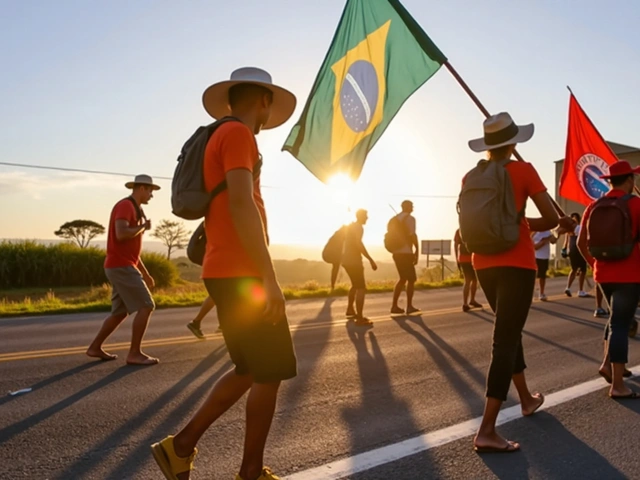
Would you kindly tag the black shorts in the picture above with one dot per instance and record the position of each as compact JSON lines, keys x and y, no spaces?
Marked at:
{"x":356,"y":275}
{"x":577,"y":261}
{"x":256,"y":347}
{"x":468,"y":272}
{"x":405,"y":266}
{"x":543,"y":267}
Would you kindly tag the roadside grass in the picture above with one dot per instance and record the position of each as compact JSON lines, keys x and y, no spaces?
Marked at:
{"x":183,"y":294}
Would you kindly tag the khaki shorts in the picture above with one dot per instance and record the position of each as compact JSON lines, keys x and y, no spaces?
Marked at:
{"x":130,"y":293}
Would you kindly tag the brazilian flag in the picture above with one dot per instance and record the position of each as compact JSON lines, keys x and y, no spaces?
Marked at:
{"x":378,"y":57}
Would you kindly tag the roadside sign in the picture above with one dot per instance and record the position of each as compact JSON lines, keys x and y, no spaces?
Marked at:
{"x":436,"y":247}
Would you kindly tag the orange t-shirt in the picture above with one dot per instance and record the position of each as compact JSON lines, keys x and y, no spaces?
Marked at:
{"x":626,"y":270}
{"x":526,"y":183}
{"x":232,"y":146}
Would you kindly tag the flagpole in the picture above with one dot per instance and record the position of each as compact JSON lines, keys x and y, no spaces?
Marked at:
{"x":486,"y":113}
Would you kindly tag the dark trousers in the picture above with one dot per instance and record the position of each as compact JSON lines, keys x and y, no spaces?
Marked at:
{"x":623,"y":301}
{"x":509,"y":291}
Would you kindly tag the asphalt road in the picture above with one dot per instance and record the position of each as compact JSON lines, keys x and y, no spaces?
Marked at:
{"x":357,"y":390}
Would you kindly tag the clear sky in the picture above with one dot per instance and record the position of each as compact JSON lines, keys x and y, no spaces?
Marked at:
{"x":116,"y":85}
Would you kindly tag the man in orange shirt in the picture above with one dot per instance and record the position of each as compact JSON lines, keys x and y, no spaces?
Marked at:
{"x":508,"y":277}
{"x":619,"y":278}
{"x":239,"y":275}
{"x":127,"y":274}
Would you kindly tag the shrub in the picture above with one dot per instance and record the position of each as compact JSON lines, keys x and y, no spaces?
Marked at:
{"x":162,"y":270}
{"x":28,"y":264}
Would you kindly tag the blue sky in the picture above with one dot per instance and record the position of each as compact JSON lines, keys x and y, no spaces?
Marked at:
{"x":117,"y":86}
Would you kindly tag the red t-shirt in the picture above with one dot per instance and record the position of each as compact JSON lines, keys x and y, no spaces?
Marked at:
{"x":526,"y":183}
{"x":232,"y":146}
{"x":123,"y":253}
{"x":626,"y":270}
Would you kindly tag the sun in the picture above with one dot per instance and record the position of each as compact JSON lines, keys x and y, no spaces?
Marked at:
{"x":341,"y":190}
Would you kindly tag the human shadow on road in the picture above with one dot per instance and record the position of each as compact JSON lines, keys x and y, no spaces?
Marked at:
{"x":380,"y":418}
{"x":543,"y":340}
{"x":571,"y":318}
{"x":7,"y":433}
{"x":134,"y":460}
{"x":549,"y":451}
{"x":309,"y":351}
{"x":51,"y":380}
{"x":437,"y":348}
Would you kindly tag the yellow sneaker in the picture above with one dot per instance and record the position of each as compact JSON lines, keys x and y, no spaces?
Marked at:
{"x":266,"y":474}
{"x":171,"y":464}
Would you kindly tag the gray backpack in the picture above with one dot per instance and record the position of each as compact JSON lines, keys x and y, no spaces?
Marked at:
{"x":189,"y":197}
{"x":489,"y":221}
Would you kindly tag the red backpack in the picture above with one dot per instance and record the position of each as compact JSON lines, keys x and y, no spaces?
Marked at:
{"x":610,"y":233}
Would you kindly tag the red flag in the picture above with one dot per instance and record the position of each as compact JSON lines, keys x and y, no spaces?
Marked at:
{"x":587,"y":157}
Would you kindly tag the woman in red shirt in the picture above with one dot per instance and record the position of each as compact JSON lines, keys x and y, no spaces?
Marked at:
{"x":508,"y":280}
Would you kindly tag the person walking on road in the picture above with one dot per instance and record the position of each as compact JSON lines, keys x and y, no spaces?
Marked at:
{"x":239,"y":275}
{"x":127,"y":273}
{"x":406,"y":258}
{"x":608,"y":240}
{"x":578,"y":263}
{"x":542,"y":242}
{"x":470,"y":287}
{"x":507,"y":276}
{"x":352,"y":255}
{"x":195,"y":325}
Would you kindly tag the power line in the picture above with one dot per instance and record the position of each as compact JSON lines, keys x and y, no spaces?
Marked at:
{"x":120,"y":174}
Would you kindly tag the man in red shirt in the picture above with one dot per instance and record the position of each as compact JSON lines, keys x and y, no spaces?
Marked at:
{"x":239,"y":276}
{"x":127,"y":274}
{"x":619,"y":280}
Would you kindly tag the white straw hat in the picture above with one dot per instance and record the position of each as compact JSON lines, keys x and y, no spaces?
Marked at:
{"x":216,"y":98}
{"x":499,"y":131}
{"x":142,"y":180}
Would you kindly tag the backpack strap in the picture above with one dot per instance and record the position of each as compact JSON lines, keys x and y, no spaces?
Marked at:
{"x":139,"y":213}
{"x":222,"y":186}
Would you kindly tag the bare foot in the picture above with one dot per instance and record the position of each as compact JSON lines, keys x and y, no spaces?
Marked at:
{"x":623,"y":392}
{"x":494,"y":442}
{"x":101,"y":354}
{"x":531,"y":406}
{"x":141,"y":359}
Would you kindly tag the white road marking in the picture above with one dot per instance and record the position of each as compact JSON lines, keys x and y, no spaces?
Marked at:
{"x":390,"y":453}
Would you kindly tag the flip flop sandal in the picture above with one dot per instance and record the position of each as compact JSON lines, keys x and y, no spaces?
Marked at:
{"x":631,"y":396}
{"x":510,"y":447}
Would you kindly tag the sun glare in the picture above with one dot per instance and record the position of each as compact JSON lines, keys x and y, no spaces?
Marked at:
{"x":341,"y":190}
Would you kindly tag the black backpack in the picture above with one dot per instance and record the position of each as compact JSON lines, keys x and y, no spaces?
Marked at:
{"x":198,"y":241}
{"x":189,"y":197}
{"x":332,"y":252}
{"x":397,"y":235}
{"x":610,"y":233}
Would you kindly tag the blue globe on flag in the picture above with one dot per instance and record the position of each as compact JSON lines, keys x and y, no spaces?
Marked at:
{"x":594,"y":186}
{"x":359,"y":95}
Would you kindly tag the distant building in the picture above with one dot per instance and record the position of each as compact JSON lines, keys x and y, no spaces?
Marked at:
{"x":623,"y":152}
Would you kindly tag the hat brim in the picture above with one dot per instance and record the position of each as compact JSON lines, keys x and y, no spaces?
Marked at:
{"x":525,"y":132}
{"x":634,"y":171}
{"x":216,"y":101}
{"x":130,"y":185}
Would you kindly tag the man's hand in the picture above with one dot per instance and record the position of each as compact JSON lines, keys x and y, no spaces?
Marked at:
{"x":374,"y":265}
{"x":147,"y":225}
{"x":416,"y":258}
{"x":148,"y":279}
{"x":274,"y":311}
{"x":567,"y":224}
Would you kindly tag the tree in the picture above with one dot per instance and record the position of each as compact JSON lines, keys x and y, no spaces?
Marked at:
{"x":174,"y":235}
{"x":81,"y":231}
